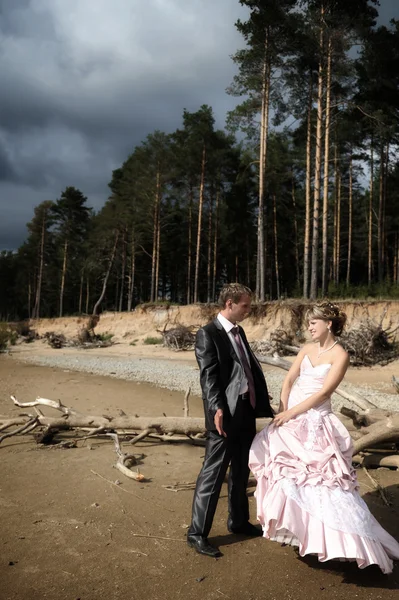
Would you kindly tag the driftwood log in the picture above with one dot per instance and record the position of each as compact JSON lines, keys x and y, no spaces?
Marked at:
{"x":71,"y":419}
{"x":375,"y":431}
{"x":370,"y":428}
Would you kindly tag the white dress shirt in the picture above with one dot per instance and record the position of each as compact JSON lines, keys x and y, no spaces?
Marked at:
{"x":228,"y":326}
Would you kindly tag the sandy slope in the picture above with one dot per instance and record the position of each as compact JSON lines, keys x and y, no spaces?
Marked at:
{"x":141,"y":323}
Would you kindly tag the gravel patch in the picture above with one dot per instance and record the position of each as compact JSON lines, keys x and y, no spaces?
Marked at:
{"x":177,"y":376}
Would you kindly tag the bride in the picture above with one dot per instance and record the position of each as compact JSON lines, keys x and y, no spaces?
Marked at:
{"x":306,"y":491}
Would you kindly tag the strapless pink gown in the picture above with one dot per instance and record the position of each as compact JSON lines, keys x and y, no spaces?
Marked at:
{"x":306,"y":491}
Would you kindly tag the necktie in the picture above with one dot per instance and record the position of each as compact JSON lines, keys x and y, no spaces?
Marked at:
{"x":247,"y":368}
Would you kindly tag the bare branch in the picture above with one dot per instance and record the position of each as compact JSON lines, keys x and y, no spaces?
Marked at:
{"x":26,"y":428}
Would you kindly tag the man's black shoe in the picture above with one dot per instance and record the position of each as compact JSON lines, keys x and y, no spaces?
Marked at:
{"x":247,"y":529}
{"x":202,"y":546}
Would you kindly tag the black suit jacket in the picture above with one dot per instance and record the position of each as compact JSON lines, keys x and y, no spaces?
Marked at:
{"x":221,"y":374}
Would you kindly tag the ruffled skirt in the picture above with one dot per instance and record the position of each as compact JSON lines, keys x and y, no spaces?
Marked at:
{"x":307,"y":494}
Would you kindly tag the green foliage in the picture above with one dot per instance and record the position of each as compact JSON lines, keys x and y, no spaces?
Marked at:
{"x":105,"y":337}
{"x":22,"y":328}
{"x":363,"y":292}
{"x":8,"y":278}
{"x":35,"y":266}
{"x":4,"y":336}
{"x":7,"y":336}
{"x":71,"y":226}
{"x":152,"y":341}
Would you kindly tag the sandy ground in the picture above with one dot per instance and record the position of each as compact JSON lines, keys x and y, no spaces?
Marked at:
{"x":69,"y":531}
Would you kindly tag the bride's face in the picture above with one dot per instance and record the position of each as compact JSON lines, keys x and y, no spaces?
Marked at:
{"x":318,"y":328}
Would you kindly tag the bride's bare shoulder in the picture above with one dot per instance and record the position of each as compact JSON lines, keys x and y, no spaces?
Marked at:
{"x":340,"y":352}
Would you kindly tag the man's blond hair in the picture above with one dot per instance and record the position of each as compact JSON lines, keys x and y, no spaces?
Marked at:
{"x":234,"y":292}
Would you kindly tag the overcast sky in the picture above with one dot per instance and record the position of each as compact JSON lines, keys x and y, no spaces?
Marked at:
{"x":84,"y":81}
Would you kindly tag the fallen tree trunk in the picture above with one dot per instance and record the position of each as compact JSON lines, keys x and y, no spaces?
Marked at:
{"x":368,"y":428}
{"x":382,"y":431}
{"x":390,"y":461}
{"x":161,"y":425}
{"x":274,"y":361}
{"x":381,"y":425}
{"x":72,"y":418}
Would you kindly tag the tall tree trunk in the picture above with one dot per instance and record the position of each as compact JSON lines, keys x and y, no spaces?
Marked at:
{"x":264,"y":130}
{"x":334,"y":267}
{"x":350,"y":220}
{"x":276,"y":265}
{"x":158,"y":254}
{"x":154,"y":259}
{"x":200,"y":209}
{"x":215,"y":245}
{"x":380,"y":265}
{"x":385,"y":257}
{"x":123,"y":272}
{"x":87,"y":294}
{"x":132,"y":273}
{"x":324,"y":282}
{"x":370,"y":219}
{"x":106,"y":277}
{"x":189,"y":243}
{"x":82,"y":275}
{"x":338,"y":230}
{"x":29,"y":299}
{"x":36,"y":308}
{"x":209,"y":266}
{"x":115,"y":306}
{"x":298,"y":280}
{"x":316,"y":194}
{"x":306,"y":248}
{"x":64,"y":267}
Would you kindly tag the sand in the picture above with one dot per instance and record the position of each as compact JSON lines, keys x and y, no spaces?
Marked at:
{"x":74,"y":528}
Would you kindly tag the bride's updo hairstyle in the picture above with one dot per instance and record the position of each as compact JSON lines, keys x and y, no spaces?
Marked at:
{"x":328,"y":312}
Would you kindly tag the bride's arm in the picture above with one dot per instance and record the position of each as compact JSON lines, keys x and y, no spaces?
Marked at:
{"x":290,"y":378}
{"x":332,"y":381}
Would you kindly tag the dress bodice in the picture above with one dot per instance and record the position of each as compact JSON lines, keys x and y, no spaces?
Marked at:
{"x":311,"y":379}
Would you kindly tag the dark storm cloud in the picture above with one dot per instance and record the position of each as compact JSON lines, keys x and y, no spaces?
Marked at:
{"x":83,"y":83}
{"x":6,"y":170}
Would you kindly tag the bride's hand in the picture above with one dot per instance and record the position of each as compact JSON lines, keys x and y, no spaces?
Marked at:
{"x":282,"y":417}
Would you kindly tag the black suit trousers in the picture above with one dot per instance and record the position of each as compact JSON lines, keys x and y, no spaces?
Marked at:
{"x":221,"y":452}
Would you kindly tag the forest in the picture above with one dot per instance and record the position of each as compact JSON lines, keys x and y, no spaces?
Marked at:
{"x":298,"y":195}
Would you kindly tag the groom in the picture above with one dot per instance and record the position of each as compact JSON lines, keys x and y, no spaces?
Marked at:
{"x":234,"y":393}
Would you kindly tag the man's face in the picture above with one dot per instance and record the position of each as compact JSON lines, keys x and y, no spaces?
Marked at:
{"x":238,"y":311}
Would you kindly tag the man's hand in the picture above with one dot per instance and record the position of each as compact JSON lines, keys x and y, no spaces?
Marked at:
{"x":219,"y":422}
